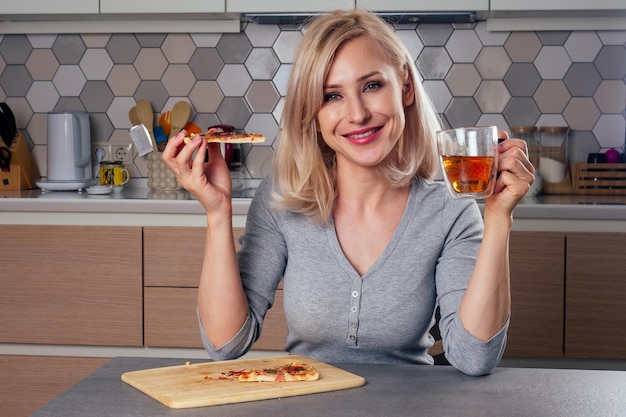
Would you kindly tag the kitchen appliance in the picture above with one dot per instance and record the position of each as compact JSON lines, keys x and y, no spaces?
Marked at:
{"x":69,"y":151}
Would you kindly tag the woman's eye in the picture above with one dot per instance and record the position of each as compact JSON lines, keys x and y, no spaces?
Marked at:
{"x":374,"y":85}
{"x":331,"y":97}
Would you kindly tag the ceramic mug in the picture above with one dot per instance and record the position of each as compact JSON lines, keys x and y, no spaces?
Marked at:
{"x":113,"y":174}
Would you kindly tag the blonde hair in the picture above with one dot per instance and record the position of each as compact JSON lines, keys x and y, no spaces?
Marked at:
{"x":304,"y":166}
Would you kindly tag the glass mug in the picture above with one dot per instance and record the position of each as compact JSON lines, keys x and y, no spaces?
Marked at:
{"x":469,"y":159}
{"x":113,"y":174}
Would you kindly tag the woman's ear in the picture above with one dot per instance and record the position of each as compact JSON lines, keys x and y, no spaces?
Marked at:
{"x":408,"y":92}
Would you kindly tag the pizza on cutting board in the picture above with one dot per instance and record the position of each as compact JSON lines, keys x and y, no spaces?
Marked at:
{"x":292,"y":372}
{"x":233,"y":381}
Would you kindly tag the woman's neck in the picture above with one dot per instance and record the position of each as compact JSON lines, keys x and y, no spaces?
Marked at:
{"x":366,"y":191}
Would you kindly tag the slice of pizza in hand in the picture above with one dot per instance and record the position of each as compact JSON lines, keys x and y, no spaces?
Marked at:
{"x":227,"y":137}
{"x":284,"y":373}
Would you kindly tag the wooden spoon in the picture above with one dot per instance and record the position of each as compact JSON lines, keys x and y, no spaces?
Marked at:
{"x":180,"y":116}
{"x":133,"y":117}
{"x":146,"y":116}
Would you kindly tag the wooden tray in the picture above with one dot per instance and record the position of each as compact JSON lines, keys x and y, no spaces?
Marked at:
{"x":197,"y":385}
{"x":598,"y":179}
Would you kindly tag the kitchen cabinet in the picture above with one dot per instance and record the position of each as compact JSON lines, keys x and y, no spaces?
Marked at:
{"x":281,"y":6}
{"x":71,"y":285}
{"x":556,"y":5}
{"x":423,"y":5}
{"x":162,"y":6}
{"x":537,"y":262}
{"x":29,"y":382}
{"x":77,"y":7}
{"x":595,"y":296}
{"x":49,"y":7}
{"x":116,"y":16}
{"x":172,"y":264}
{"x":171,"y":321}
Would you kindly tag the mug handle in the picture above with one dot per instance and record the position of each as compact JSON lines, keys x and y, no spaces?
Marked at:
{"x":126,"y":176}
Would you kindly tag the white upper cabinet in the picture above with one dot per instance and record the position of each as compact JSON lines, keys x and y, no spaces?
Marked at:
{"x":162,"y":6}
{"x":550,"y":5}
{"x":286,"y":6}
{"x":509,"y":15}
{"x":116,"y":16}
{"x":49,"y":7}
{"x":424,"y":5}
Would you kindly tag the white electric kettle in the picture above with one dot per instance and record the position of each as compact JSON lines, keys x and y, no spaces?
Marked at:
{"x":69,"y":147}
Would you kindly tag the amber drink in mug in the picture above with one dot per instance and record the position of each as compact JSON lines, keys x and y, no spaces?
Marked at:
{"x":469,"y":159}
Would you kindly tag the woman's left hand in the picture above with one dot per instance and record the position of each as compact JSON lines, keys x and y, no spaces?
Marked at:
{"x":515,"y":175}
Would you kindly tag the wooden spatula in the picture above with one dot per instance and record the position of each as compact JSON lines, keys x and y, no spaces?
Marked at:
{"x":146,"y":116}
{"x":133,"y":117}
{"x":180,"y":116}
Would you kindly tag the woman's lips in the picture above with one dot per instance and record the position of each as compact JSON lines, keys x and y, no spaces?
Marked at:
{"x":363,"y":136}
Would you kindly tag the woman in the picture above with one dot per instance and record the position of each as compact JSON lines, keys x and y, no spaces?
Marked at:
{"x":366,"y":244}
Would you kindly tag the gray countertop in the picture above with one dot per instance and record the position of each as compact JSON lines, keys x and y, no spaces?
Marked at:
{"x":407,"y":390}
{"x":138,"y":199}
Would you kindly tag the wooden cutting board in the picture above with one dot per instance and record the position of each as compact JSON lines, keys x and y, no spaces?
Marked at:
{"x":198,"y":385}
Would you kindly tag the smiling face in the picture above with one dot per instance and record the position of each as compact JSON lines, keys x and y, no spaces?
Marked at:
{"x":362,"y":116}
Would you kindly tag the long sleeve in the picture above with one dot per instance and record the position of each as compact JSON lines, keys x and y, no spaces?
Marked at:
{"x":461,"y":243}
{"x":262,"y":259}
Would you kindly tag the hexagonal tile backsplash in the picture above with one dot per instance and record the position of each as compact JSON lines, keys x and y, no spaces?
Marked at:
{"x":474,"y":77}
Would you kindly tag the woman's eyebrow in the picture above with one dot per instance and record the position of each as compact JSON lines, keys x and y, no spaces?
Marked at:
{"x":361,"y":78}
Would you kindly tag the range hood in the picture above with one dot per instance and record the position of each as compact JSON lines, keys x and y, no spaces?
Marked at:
{"x":507,"y":20}
{"x":391,"y":17}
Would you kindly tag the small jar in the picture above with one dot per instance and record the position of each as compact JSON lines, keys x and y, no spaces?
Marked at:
{"x":553,"y":157}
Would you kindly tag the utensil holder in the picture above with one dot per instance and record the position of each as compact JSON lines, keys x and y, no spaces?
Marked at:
{"x":160,"y":177}
{"x":24,"y":173}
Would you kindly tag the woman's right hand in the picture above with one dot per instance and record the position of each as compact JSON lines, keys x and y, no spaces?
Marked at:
{"x":209,"y":182}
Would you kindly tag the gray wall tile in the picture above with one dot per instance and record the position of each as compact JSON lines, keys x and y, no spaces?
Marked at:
{"x":473,"y":75}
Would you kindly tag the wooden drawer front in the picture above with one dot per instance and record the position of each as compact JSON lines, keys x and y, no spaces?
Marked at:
{"x":170,"y":317}
{"x":29,"y":382}
{"x":595,"y":315}
{"x":171,"y":321}
{"x":537,"y":262}
{"x":173,"y":255}
{"x":71,"y":285}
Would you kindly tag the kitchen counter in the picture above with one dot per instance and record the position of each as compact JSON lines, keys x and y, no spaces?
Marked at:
{"x":403,"y":390}
{"x":138,"y":205}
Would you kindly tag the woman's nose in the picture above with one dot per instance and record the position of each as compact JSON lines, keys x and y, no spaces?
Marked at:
{"x":357,"y":110}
